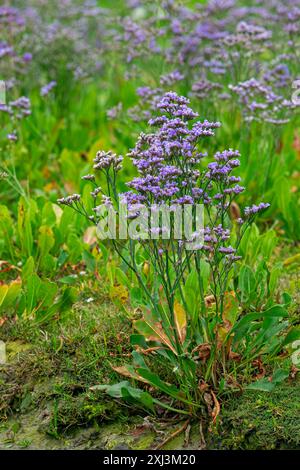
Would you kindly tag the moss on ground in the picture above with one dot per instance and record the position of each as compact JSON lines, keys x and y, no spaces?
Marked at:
{"x":60,"y":363}
{"x":258,"y":420}
{"x":46,"y":402}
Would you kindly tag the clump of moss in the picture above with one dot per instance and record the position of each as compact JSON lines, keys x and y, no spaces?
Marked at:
{"x":19,"y":377}
{"x":70,"y":413}
{"x":262,"y":420}
{"x":60,"y":361}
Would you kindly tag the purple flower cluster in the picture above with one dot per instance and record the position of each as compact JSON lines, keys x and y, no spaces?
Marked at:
{"x":45,"y":90}
{"x":171,"y":170}
{"x":16,"y":110}
{"x":249,"y":211}
{"x":106,"y":160}
{"x":171,"y":78}
{"x":217,"y":47}
{"x":261,"y":103}
{"x":167,"y":160}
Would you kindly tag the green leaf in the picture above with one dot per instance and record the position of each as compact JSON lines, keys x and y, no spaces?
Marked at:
{"x":126,"y":391}
{"x":28,"y":269}
{"x":71,"y":279}
{"x":153,"y":379}
{"x":280,"y":375}
{"x":47,"y":293}
{"x":24,"y":228}
{"x":136,"y":296}
{"x":45,"y":240}
{"x":283,"y":196}
{"x":292,"y":335}
{"x":89,"y":260}
{"x":274,"y":277}
{"x":48,"y":215}
{"x":268,"y":384}
{"x":277,"y":311}
{"x":7,"y":232}
{"x":75,"y":247}
{"x":138,"y":360}
{"x":247,"y":283}
{"x":33,"y":287}
{"x":138,"y":340}
{"x":122,"y":278}
{"x":263,"y":385}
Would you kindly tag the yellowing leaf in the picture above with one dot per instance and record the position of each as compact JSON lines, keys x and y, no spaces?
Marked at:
{"x":50,"y":186}
{"x":230,"y":310}
{"x":3,"y":293}
{"x":123,"y":370}
{"x":119,"y":292}
{"x":235,"y":211}
{"x":180,"y":321}
{"x":146,"y":268}
{"x":154,"y":332}
{"x":216,"y":409}
{"x":57,"y":211}
{"x":292,"y":259}
{"x":9,"y":293}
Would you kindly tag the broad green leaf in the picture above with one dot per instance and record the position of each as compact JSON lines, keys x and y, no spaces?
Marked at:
{"x":247,"y":283}
{"x":121,"y":277}
{"x":28,"y":269}
{"x":280,"y":375}
{"x":49,"y":215}
{"x":89,"y":260}
{"x":247,"y":320}
{"x":7,"y":232}
{"x":138,"y":340}
{"x":136,"y":296}
{"x":153,"y":379}
{"x":263,"y":385}
{"x":45,"y":241}
{"x":292,"y":335}
{"x":274,"y":277}
{"x":125,"y":390}
{"x":24,"y":228}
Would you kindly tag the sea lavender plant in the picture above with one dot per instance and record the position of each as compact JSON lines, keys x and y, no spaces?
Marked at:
{"x":181,"y":323}
{"x":260,"y":103}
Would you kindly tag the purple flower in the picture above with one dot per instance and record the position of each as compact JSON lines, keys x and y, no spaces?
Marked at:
{"x":252,"y":210}
{"x":227,"y":249}
{"x":27,"y":57}
{"x":45,"y":90}
{"x":105,"y":160}
{"x":88,"y":177}
{"x":114,"y":112}
{"x":171,"y":78}
{"x":12,"y":137}
{"x":176,"y":106}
